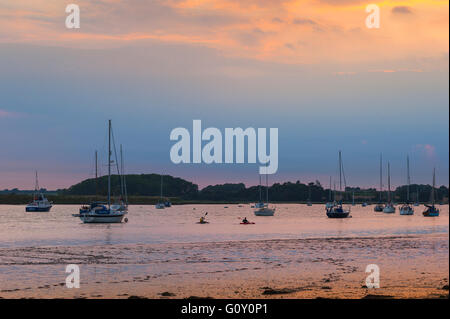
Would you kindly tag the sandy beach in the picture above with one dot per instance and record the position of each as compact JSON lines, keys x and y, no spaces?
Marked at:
{"x":410,"y":267}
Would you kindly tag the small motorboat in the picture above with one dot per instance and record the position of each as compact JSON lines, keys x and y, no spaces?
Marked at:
{"x":431,"y":211}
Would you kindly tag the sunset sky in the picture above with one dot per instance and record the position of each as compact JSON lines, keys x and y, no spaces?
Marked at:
{"x":310,"y":68}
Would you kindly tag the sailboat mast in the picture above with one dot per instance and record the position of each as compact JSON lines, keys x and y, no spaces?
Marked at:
{"x":389,"y":183}
{"x":260,"y":191}
{"x":96,"y":173}
{"x":36,"y":186}
{"x":381,"y":176}
{"x":121,"y":172}
{"x":329,"y":193}
{"x":267,"y":188}
{"x":123,"y":177}
{"x":434,"y":184}
{"x":408,"y":179}
{"x":340,"y":172}
{"x":109,"y":164}
{"x":161,"y":186}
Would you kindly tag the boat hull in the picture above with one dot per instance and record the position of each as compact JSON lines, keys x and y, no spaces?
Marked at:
{"x":434,"y":214}
{"x":431,"y":213}
{"x":101,"y":219}
{"x":389,"y":210}
{"x":265,"y":212}
{"x":37,"y":209}
{"x":406,"y":211}
{"x":378,"y":208}
{"x":337,"y":215}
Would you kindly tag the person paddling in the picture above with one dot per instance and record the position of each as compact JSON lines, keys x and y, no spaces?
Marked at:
{"x":203,"y":219}
{"x":245,"y":221}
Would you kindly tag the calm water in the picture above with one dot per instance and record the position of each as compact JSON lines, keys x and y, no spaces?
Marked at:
{"x":177,"y":224}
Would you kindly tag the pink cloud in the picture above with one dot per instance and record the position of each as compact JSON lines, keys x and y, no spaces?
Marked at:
{"x":428,"y":149}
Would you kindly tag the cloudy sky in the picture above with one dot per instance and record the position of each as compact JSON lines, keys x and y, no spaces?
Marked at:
{"x":310,"y":68}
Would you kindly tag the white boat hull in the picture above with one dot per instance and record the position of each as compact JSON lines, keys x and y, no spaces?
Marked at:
{"x":406,"y":211}
{"x":102,"y":219}
{"x":265,"y":212}
{"x":389,"y":209}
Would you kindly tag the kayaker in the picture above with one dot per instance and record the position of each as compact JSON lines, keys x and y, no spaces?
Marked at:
{"x":245,"y":221}
{"x":202,"y":220}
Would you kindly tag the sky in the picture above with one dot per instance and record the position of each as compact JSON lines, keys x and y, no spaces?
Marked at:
{"x":310,"y":68}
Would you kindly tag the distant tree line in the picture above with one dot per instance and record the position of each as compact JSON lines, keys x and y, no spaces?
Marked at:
{"x":150,"y":185}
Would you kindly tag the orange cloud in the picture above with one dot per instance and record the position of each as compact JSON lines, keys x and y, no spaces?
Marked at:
{"x":286,"y":31}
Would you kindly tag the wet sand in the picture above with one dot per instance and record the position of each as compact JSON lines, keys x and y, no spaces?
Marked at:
{"x":414,"y":266}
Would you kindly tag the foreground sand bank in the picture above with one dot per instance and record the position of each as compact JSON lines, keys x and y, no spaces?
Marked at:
{"x":410,"y":267}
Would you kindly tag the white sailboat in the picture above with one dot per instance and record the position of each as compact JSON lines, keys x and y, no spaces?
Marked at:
{"x":379,"y":207}
{"x":98,"y":212}
{"x":389,"y":208}
{"x":39,"y":203}
{"x":261,"y":203}
{"x":407,"y":208}
{"x":160,"y":204}
{"x":265,"y":210}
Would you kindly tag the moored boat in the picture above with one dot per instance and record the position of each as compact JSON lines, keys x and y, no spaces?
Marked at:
{"x":39,"y":203}
{"x":380,"y":206}
{"x":389,"y":208}
{"x":337,"y":211}
{"x":432,"y":210}
{"x":407,"y":209}
{"x":105,"y":213}
{"x":265,"y":210}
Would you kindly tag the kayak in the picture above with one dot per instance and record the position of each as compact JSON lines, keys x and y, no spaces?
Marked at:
{"x":249,"y":223}
{"x":202,"y":223}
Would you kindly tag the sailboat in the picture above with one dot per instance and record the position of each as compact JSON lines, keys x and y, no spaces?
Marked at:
{"x":265,"y":210}
{"x":379,"y":207}
{"x":160,"y":204}
{"x":432,"y":210}
{"x":260,"y":204}
{"x":389,"y":208}
{"x":309,"y":195}
{"x":39,"y":203}
{"x":407,"y":208}
{"x":337,"y":211}
{"x":330,"y":200}
{"x":104,"y":213}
